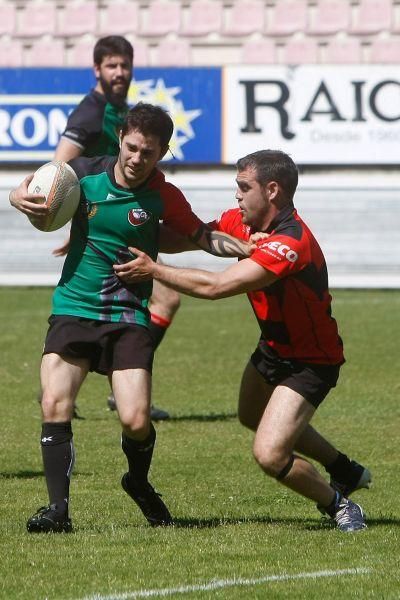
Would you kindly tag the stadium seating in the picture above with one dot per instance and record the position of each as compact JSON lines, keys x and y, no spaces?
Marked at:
{"x":342,"y":51}
{"x":372,"y":16}
{"x":118,"y":18}
{"x":329,"y":17}
{"x":204,"y":32}
{"x":245,"y":17}
{"x":286,"y":17}
{"x":77,"y":18}
{"x":80,"y":54}
{"x":7,"y":18}
{"x":162,"y":18}
{"x":45,"y":53}
{"x":385,"y":51}
{"x":36,"y":19}
{"x":141,"y":52}
{"x":258,"y":52}
{"x":173,"y":53}
{"x":203,"y":17}
{"x":11,"y":53}
{"x":299,"y":51}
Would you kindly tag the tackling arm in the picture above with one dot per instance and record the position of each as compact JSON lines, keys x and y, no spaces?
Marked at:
{"x":245,"y":276}
{"x":220,"y":244}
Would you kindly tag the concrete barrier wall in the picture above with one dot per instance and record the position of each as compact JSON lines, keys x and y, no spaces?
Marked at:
{"x":355,"y":217}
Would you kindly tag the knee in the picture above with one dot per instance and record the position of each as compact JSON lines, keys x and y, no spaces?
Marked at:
{"x":55,"y":408}
{"x":136,"y":426}
{"x":271,"y":460}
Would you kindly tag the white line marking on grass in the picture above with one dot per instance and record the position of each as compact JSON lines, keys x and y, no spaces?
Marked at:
{"x":223,"y":583}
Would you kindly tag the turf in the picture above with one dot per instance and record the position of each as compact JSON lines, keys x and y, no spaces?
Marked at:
{"x":233,"y":524}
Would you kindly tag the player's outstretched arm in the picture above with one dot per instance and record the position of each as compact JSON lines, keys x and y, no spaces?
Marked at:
{"x":29,"y":204}
{"x":220,"y":244}
{"x":240,"y":278}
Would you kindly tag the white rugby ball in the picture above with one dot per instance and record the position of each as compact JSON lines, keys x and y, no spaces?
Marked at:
{"x":58,"y":183}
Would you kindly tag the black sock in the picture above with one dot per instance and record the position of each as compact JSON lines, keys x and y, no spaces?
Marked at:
{"x":341,"y":469}
{"x":157,"y":333}
{"x":58,"y":460}
{"x":139,"y":455}
{"x":331,"y":509}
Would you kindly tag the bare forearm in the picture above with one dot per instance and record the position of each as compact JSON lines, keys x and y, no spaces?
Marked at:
{"x":220,"y":244}
{"x":192,"y":282}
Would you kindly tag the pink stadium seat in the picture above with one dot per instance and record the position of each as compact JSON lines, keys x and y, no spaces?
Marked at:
{"x":245,"y":17}
{"x":299,"y":52}
{"x":162,"y":17}
{"x":343,"y":51}
{"x":140,"y":52}
{"x":81,"y":54}
{"x":286,"y":17}
{"x":385,"y":51}
{"x":37,"y":18}
{"x":7,"y":18}
{"x":45,"y":53}
{"x":203,"y":17}
{"x":372,"y":16}
{"x":258,"y":52}
{"x":173,"y":53}
{"x":329,"y":16}
{"x":77,"y":18}
{"x":118,"y":18}
{"x":11,"y":53}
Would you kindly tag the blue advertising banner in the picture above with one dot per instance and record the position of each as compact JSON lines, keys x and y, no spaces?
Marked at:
{"x":35,"y":103}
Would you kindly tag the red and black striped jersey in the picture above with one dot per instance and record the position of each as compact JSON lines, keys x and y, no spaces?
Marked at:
{"x":294,"y":313}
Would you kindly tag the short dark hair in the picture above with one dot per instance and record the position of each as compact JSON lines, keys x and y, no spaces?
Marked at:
{"x":112,"y":45}
{"x":149,"y":120}
{"x":272,"y":165}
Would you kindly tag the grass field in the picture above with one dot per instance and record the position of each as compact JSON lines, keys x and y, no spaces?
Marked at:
{"x":238,"y":534}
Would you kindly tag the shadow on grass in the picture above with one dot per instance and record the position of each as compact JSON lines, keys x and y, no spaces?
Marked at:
{"x":221,"y":522}
{"x":204,"y":418}
{"x":316,"y":524}
{"x":22,"y":475}
{"x":33,"y":474}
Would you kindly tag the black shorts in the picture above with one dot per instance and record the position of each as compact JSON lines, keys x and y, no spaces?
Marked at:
{"x":108,"y":346}
{"x":312,"y":381}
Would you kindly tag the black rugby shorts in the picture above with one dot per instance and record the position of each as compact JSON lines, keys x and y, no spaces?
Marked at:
{"x":312,"y":381}
{"x":108,"y":346}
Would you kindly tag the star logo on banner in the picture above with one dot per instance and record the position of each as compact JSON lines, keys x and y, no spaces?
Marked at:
{"x":156,"y":92}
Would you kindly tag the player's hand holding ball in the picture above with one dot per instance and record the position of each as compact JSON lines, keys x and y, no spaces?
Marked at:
{"x":32,"y":205}
{"x":49,"y":197}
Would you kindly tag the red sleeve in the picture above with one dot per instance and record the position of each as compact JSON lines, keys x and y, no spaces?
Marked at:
{"x":282,"y":255}
{"x":177,"y":212}
{"x":231,"y":222}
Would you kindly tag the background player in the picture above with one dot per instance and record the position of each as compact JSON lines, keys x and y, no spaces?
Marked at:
{"x":298,"y":358}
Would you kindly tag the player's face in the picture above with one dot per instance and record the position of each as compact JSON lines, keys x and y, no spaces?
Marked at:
{"x":114,"y":75}
{"x":253,"y":200}
{"x":137,"y":158}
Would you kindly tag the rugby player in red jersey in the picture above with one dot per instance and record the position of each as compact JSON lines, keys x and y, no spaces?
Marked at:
{"x":299,"y":354}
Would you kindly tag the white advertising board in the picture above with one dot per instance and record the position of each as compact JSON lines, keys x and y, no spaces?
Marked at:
{"x":343,"y":115}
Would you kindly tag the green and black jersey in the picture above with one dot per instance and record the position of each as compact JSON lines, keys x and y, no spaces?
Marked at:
{"x":109,"y":219}
{"x":94,"y":125}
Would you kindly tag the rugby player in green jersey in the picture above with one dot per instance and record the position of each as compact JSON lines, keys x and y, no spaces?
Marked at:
{"x":92,"y":130}
{"x":98,"y":322}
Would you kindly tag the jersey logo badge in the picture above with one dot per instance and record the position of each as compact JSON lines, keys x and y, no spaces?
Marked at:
{"x":138,"y":216}
{"x":91,"y":209}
